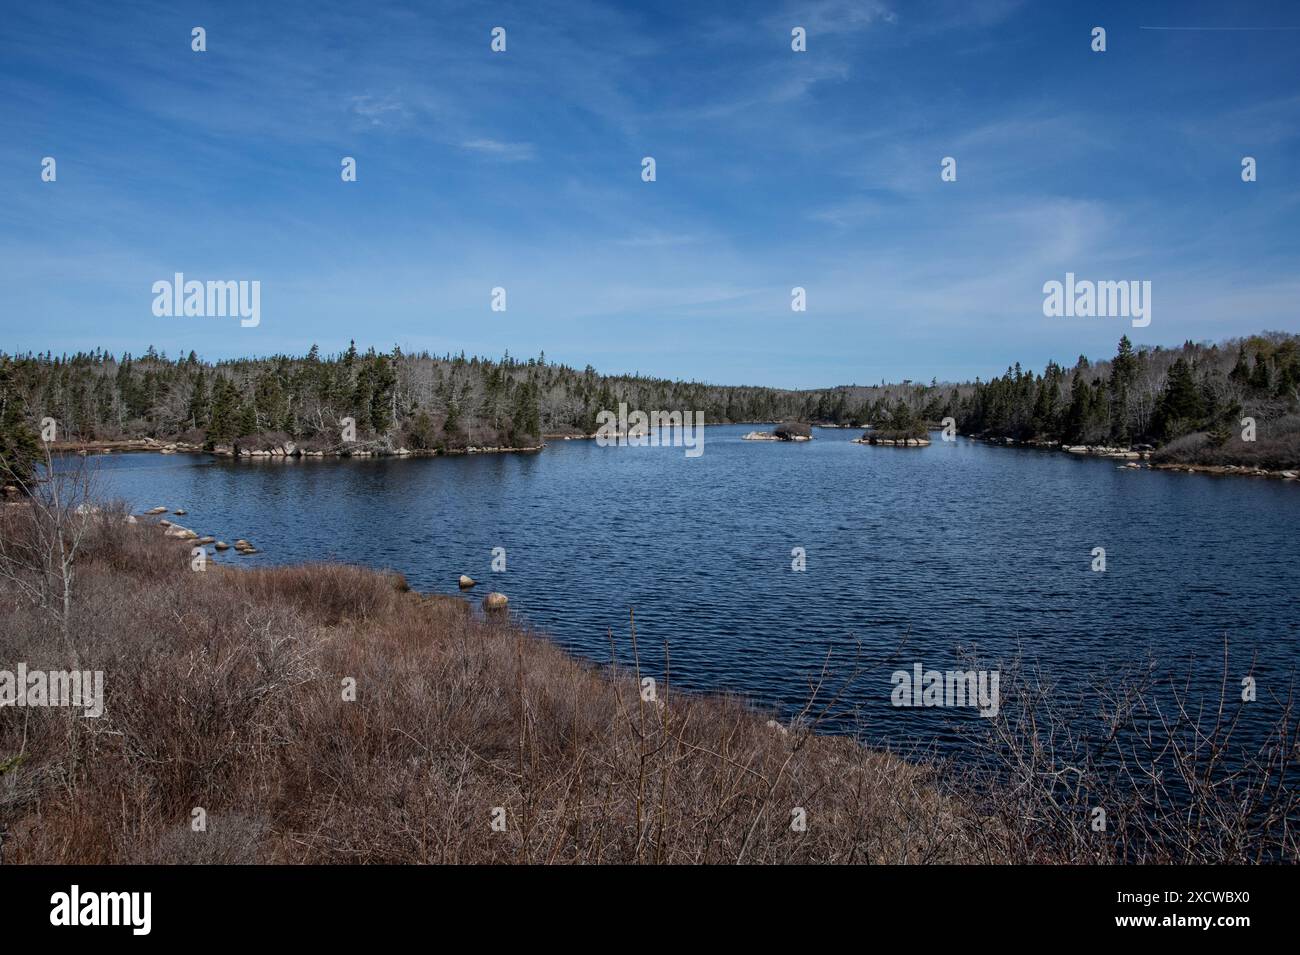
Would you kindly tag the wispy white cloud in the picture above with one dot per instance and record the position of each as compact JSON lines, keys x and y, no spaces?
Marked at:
{"x":655,"y":239}
{"x":503,"y":151}
{"x":829,"y":17}
{"x":377,"y":110}
{"x":850,"y":212}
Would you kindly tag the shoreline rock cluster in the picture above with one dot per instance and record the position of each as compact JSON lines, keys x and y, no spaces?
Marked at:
{"x":493,"y":601}
{"x":1136,"y":452}
{"x":893,"y":442}
{"x":1102,"y":451}
{"x":181,"y":533}
{"x":1239,"y":470}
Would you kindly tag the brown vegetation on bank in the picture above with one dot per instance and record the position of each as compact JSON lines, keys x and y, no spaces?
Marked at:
{"x":224,"y":691}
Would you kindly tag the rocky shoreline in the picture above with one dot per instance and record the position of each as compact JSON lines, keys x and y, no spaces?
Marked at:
{"x":1227,"y":469}
{"x":1142,"y":453}
{"x":769,"y":436}
{"x":284,"y":450}
{"x":893,"y":442}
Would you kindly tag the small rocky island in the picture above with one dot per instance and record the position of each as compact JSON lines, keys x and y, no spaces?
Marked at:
{"x":785,"y":431}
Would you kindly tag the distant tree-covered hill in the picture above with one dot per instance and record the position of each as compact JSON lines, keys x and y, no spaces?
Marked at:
{"x":417,"y":401}
{"x":1189,"y":400}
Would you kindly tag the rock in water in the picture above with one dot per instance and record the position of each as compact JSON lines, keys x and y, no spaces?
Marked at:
{"x":466,"y":582}
{"x":495,"y":601}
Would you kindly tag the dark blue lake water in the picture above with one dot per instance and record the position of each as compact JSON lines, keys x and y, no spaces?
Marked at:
{"x":958,"y":545}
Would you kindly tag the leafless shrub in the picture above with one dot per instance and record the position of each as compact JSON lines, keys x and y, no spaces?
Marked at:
{"x":225,"y":839}
{"x":1139,"y":768}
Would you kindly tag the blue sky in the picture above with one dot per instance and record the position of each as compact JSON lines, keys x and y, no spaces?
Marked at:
{"x":774,"y":169}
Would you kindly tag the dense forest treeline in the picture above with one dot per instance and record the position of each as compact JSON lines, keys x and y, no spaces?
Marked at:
{"x":1190,"y":399}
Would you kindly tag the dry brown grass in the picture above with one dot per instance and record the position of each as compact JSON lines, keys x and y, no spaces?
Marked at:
{"x":224,"y":691}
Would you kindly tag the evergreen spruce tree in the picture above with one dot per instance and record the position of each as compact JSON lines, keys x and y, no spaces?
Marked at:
{"x":1180,"y":407}
{"x":1123,"y":372}
{"x":197,"y":413}
{"x":525,"y":416}
{"x":19,"y":447}
{"x":1260,"y":380}
{"x":225,"y":407}
{"x":1241,"y":370}
{"x":1076,"y":416}
{"x":247,"y":420}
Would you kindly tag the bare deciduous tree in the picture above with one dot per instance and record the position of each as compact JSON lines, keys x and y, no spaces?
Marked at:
{"x":39,"y":549}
